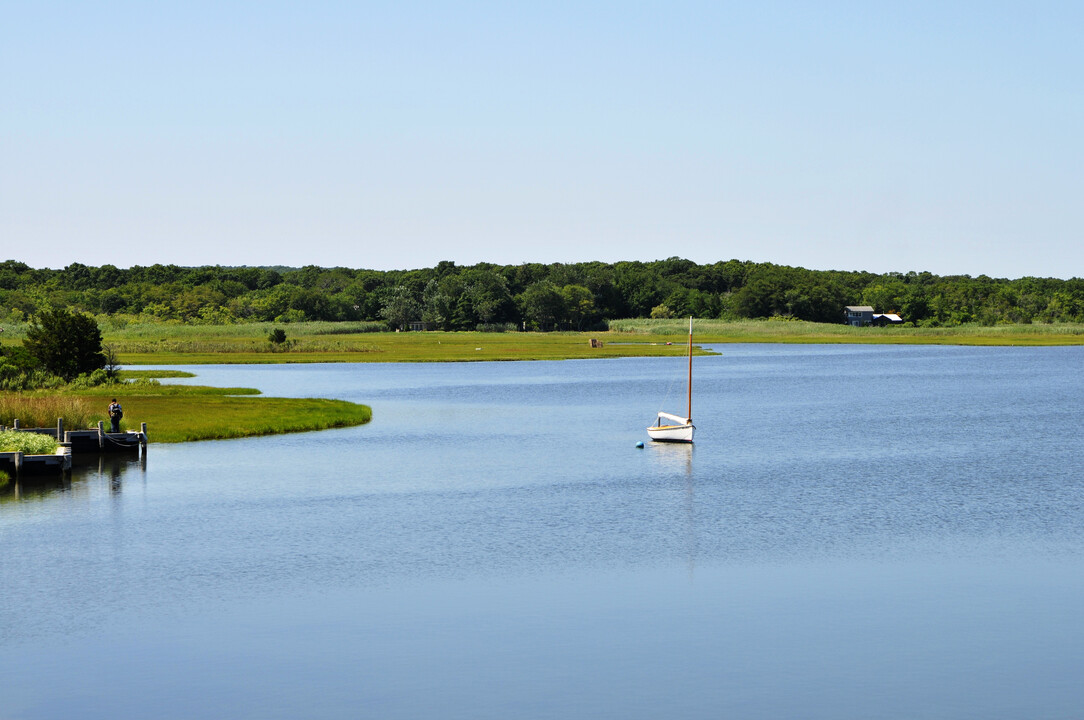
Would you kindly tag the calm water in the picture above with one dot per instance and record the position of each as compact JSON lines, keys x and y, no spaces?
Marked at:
{"x":859,"y":532}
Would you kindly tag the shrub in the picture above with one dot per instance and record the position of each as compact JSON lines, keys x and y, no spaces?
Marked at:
{"x":95,"y":379}
{"x":17,"y":356}
{"x":65,"y":342}
{"x":28,"y":443}
{"x":37,"y":379}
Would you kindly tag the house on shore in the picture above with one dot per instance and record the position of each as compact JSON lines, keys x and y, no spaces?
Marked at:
{"x":880,"y":320}
{"x":858,"y":315}
{"x":862,"y":315}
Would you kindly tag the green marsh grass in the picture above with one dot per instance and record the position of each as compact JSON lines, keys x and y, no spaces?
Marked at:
{"x":379,"y":347}
{"x":183,"y":413}
{"x":44,"y":408}
{"x":154,"y":374}
{"x":190,"y":417}
{"x":180,"y":413}
{"x":626,"y":338}
{"x":719,"y":331}
{"x":27,"y":443}
{"x":351,"y":342}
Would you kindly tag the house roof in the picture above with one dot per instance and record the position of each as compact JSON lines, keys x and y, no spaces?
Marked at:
{"x":890,"y":316}
{"x":859,"y":308}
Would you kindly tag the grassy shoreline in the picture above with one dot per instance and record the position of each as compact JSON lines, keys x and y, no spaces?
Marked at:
{"x":717,"y":331}
{"x":185,"y":413}
{"x":163,"y":344}
{"x":174,"y":344}
{"x":180,"y":413}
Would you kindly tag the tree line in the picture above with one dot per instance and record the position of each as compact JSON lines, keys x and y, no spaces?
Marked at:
{"x":537,"y":296}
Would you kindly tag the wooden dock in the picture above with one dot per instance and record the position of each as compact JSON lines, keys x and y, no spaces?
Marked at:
{"x":97,"y":440}
{"x":72,"y":443}
{"x":18,"y":464}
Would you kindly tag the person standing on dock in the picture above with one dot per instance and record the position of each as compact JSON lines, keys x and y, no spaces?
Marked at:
{"x":115,"y":414}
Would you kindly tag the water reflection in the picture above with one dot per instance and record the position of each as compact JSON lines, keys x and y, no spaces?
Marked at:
{"x":34,"y":487}
{"x":110,"y":468}
{"x":674,"y":458}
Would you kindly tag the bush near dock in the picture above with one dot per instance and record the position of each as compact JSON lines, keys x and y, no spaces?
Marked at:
{"x":27,"y":443}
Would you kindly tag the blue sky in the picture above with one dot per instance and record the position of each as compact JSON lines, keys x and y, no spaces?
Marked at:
{"x":831,"y":135}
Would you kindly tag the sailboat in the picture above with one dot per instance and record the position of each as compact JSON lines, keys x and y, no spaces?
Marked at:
{"x":674,"y":428}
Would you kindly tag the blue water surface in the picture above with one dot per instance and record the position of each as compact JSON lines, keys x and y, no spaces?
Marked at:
{"x":858,"y":532}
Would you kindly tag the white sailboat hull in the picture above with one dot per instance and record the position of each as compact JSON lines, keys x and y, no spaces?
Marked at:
{"x":672,"y":433}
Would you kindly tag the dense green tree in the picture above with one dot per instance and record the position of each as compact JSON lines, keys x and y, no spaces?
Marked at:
{"x":401,"y":308}
{"x":464,"y":316}
{"x":886,"y":296}
{"x":489,"y":296}
{"x":268,"y":279}
{"x":760,"y":298}
{"x":579,"y":306}
{"x":438,"y":302}
{"x":661,"y":312}
{"x":14,"y":274}
{"x":542,"y":304}
{"x":77,"y":277}
{"x":18,"y":359}
{"x":65,"y":343}
{"x":640,"y":286}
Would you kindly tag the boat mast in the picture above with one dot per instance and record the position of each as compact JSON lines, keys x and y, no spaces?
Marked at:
{"x":689,"y":410}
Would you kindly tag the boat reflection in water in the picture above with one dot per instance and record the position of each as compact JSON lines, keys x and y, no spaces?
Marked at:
{"x":674,"y":458}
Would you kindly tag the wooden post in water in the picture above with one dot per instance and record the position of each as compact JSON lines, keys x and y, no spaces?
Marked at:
{"x":18,"y":463}
{"x":101,"y":435}
{"x":60,"y":429}
{"x":16,"y":423}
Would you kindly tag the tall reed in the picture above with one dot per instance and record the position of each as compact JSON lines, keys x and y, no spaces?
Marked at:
{"x":44,"y":410}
